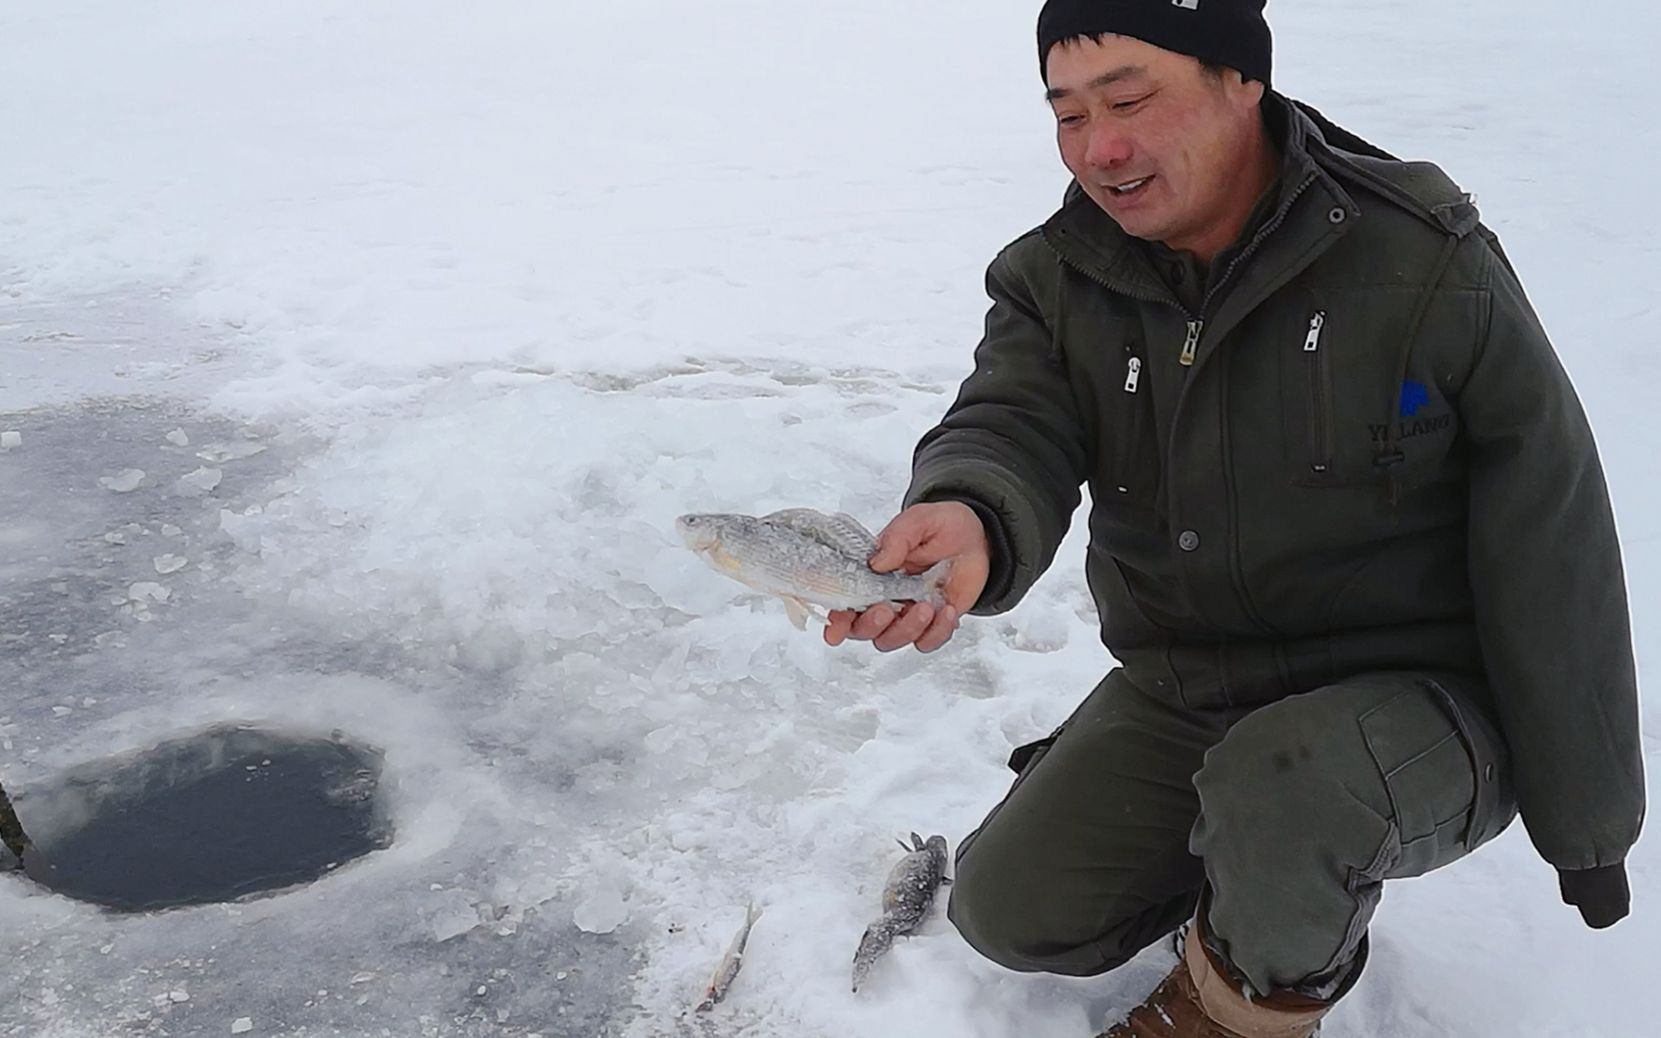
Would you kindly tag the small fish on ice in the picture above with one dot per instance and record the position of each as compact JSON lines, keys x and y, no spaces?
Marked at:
{"x":906,"y":900}
{"x":731,"y":962}
{"x":806,"y":558}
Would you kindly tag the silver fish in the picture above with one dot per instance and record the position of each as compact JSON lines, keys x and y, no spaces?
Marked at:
{"x":906,"y":900}
{"x":806,"y":558}
{"x":730,"y":963}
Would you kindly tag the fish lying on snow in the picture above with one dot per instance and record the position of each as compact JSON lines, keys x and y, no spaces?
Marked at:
{"x":806,"y":558}
{"x":906,"y":899}
{"x":730,"y":963}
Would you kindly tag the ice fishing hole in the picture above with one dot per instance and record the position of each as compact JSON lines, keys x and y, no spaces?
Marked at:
{"x":214,"y":816}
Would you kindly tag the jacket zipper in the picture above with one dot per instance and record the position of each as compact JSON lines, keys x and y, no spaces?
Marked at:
{"x":1196,"y":324}
{"x":1191,"y":345}
{"x":1320,"y":398}
{"x":1130,"y":430}
{"x":1196,"y":321}
{"x":1257,"y":239}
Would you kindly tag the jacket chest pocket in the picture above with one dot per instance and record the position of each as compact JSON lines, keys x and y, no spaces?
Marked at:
{"x":1129,"y":448}
{"x":1349,"y":416}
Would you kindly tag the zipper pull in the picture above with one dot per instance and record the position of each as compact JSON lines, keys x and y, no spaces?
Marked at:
{"x":1312,"y":341}
{"x":1133,"y":374}
{"x":1191,"y":345}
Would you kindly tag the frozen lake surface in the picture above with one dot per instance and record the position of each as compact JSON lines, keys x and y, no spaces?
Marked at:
{"x":361,"y":358}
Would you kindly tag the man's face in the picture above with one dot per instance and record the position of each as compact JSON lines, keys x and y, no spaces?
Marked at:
{"x":1157,"y":142}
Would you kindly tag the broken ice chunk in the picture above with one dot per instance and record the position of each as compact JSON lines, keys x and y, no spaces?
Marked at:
{"x":123,"y":482}
{"x":9,"y":439}
{"x":242,"y":1025}
{"x":218,"y":453}
{"x":149,"y":591}
{"x":202,"y":481}
{"x":451,"y":914}
{"x":178,"y":438}
{"x":166,"y":564}
{"x":601,"y":911}
{"x":169,"y":530}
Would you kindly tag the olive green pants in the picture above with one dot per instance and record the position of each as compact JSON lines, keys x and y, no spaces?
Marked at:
{"x":1289,"y":817}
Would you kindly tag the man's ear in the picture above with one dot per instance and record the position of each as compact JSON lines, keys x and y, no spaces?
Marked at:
{"x":1249,"y":92}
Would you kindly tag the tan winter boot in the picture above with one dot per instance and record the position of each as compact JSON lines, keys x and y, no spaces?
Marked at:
{"x":1198,"y":1000}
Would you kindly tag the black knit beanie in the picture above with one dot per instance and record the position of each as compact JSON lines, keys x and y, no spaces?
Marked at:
{"x":1231,"y":33}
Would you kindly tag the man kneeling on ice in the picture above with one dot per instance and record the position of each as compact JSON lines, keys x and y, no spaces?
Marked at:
{"x":1350,"y":540}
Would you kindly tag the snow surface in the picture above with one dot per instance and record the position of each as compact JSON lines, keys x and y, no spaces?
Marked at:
{"x":499,"y":289}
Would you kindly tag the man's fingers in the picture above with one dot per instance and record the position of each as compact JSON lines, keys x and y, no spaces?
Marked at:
{"x":838,"y":626}
{"x":871,"y":623}
{"x":890,"y":554}
{"x":907,"y":629}
{"x":899,"y":539}
{"x":940,"y":631}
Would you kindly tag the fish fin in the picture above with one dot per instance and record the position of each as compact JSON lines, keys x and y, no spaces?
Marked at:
{"x":908,"y":847}
{"x":917,"y":843}
{"x":797,"y":610}
{"x":841,"y":532}
{"x":857,"y":532}
{"x":945,"y":881}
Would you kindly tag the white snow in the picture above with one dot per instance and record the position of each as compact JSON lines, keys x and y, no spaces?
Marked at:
{"x":492,"y":292}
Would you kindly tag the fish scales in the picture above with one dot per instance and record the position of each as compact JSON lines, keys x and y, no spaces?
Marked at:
{"x":906,"y":899}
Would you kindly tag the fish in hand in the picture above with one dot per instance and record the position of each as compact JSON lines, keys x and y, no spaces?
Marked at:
{"x":806,"y":558}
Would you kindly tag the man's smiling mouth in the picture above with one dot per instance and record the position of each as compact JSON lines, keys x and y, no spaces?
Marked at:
{"x":1129,"y":186}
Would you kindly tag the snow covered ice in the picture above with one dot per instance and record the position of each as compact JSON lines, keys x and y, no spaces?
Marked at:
{"x":413,"y":327}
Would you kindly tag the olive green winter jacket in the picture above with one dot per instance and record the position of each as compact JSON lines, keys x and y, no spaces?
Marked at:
{"x":1359,"y":453}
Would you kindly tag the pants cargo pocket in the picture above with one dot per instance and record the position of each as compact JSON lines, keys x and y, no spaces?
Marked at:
{"x":1024,"y":757}
{"x":1495,"y":805}
{"x":1429,"y":778}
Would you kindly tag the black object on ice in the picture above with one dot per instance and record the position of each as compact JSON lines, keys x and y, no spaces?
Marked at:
{"x":27,"y":858}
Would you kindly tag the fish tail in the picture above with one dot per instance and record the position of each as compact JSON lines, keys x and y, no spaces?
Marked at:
{"x":879,"y":937}
{"x":934,"y":582}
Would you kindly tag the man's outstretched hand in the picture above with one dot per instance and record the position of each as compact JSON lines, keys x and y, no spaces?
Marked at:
{"x":919,"y":537}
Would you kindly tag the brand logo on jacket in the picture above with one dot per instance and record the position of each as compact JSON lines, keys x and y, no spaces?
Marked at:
{"x":1415,"y":397}
{"x":1191,"y":5}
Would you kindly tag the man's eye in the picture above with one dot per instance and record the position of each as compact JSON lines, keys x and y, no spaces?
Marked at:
{"x":1069,"y":120}
{"x":1125,"y":106}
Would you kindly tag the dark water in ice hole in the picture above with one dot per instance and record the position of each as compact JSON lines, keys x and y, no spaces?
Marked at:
{"x":208,"y":817}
